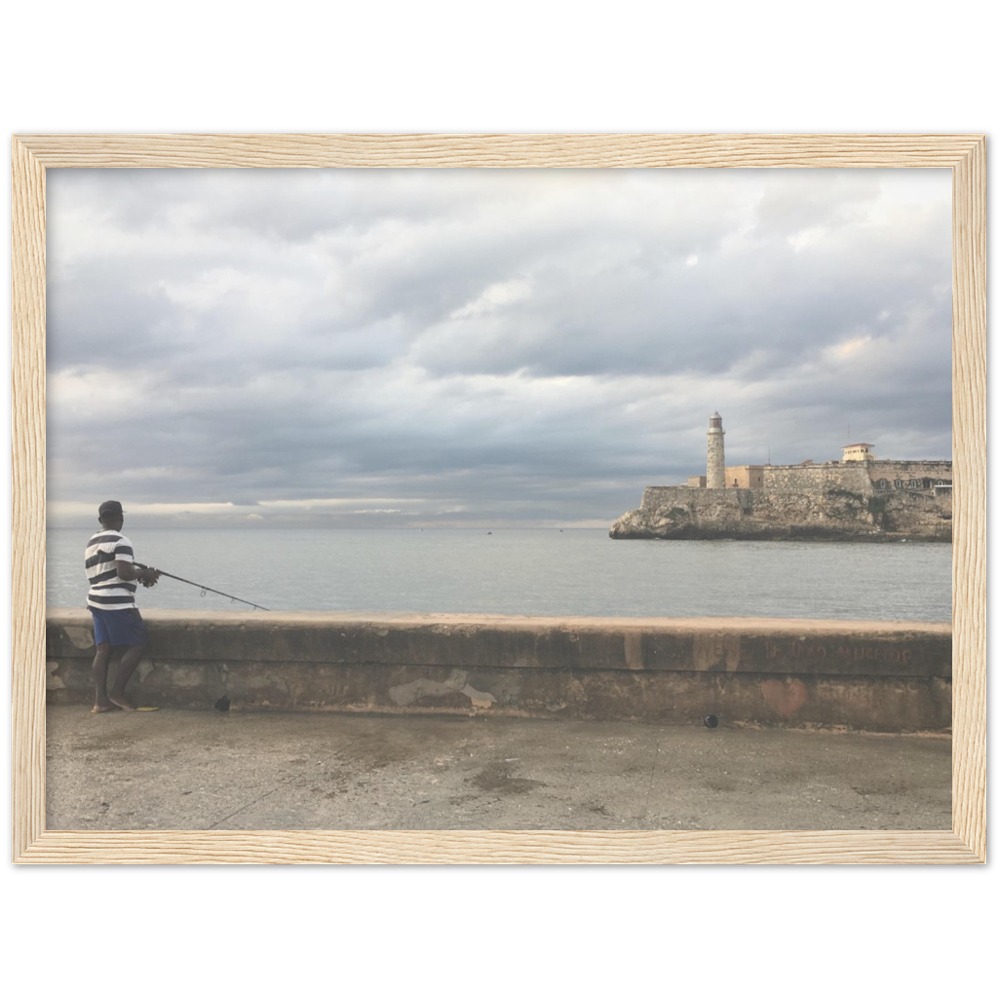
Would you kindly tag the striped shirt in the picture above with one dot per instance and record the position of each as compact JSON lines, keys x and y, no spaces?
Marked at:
{"x":107,"y":589}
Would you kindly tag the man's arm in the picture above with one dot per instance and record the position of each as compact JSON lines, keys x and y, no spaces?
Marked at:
{"x":147,"y":576}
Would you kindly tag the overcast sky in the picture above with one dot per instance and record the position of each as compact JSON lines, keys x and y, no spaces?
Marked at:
{"x":479,"y":347}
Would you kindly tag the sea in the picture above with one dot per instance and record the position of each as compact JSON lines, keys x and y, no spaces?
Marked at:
{"x":546,"y":572}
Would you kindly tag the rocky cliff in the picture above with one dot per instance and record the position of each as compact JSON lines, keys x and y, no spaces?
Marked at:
{"x":827,"y":514}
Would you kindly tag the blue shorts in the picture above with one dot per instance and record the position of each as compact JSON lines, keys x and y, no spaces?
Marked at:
{"x":119,"y":628}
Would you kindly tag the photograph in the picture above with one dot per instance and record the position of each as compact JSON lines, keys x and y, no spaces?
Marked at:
{"x":520,"y":499}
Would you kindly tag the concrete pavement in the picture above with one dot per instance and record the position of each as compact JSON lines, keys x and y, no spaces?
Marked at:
{"x":196,"y":770}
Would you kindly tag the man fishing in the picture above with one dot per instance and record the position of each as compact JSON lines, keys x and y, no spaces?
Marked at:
{"x":113,"y":573}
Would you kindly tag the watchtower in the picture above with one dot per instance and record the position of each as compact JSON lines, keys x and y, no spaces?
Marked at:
{"x":860,"y":452}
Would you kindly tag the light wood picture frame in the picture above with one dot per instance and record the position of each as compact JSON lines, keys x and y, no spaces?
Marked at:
{"x":965,"y":843}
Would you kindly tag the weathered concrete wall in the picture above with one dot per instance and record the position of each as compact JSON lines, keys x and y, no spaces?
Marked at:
{"x":870,"y":675}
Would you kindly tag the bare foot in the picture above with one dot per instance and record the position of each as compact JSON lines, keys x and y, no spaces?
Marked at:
{"x":120,"y":701}
{"x":102,"y":707}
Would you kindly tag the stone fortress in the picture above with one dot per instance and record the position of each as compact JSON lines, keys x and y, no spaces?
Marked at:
{"x":856,"y":498}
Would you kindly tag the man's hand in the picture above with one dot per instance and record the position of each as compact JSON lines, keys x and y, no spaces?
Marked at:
{"x":146,"y":575}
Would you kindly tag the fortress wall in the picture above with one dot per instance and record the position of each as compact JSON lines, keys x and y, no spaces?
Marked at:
{"x":910,"y":470}
{"x":852,"y":477}
{"x":654,"y":497}
{"x":888,"y":676}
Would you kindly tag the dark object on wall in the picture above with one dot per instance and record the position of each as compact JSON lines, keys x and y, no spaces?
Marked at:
{"x":710,"y":721}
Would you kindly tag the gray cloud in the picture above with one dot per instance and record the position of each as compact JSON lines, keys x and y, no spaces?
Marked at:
{"x":519,"y":345}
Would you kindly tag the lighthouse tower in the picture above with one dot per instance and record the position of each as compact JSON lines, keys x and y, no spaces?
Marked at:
{"x":715,"y":478}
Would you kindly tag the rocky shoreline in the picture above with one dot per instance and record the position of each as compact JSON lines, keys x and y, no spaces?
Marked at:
{"x":835,"y":515}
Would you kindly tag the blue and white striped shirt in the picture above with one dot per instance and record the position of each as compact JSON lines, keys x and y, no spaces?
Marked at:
{"x":108,"y":590}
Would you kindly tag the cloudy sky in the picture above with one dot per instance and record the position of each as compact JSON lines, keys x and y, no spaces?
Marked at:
{"x":487,"y":348}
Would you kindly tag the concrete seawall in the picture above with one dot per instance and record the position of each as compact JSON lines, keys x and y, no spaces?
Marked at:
{"x":889,"y":676}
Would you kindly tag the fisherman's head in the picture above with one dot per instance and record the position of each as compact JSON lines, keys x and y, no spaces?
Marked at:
{"x":111,"y":515}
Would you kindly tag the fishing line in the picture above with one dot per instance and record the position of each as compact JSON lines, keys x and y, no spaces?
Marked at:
{"x":203,"y":588}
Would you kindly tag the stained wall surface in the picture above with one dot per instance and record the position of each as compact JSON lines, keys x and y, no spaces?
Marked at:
{"x":868,"y":675}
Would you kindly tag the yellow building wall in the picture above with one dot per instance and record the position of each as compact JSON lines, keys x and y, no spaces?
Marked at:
{"x":745,"y":477}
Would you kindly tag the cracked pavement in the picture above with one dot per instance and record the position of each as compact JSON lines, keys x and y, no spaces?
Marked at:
{"x":189,"y":770}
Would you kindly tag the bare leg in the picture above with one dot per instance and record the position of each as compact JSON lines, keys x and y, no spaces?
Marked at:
{"x":129,"y":661}
{"x":102,"y":703}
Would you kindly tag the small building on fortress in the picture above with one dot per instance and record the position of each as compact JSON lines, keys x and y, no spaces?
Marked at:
{"x":858,"y":497}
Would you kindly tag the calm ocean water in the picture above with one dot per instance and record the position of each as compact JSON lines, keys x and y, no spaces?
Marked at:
{"x":521,"y":572}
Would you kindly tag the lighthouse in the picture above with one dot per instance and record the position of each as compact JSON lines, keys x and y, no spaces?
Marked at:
{"x":715,"y":478}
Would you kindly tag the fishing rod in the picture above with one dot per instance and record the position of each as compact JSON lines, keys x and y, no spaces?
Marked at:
{"x":203,"y":588}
